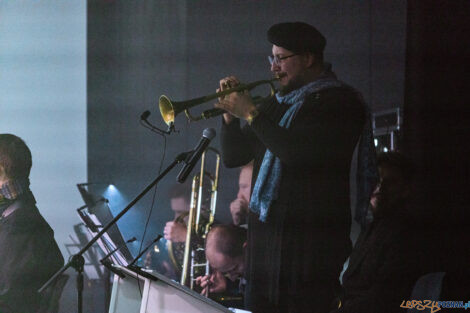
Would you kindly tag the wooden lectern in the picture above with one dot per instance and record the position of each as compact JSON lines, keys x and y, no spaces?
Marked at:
{"x":143,"y":292}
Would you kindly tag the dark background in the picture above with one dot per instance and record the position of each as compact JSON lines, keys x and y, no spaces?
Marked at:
{"x":139,"y":50}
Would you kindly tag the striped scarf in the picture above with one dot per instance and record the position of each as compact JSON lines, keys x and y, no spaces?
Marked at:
{"x":10,"y":190}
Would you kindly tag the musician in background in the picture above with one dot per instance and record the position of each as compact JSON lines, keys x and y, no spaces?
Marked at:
{"x":225,"y":252}
{"x":239,"y":206}
{"x":29,"y":253}
{"x":179,"y":201}
{"x":302,"y":141}
{"x":168,"y":260}
{"x":385,"y":262}
{"x":175,"y":231}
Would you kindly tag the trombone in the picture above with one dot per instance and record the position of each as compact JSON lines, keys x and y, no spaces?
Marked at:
{"x":169,"y":109}
{"x":194,"y":260}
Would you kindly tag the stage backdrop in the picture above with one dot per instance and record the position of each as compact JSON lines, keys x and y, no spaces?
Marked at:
{"x":139,"y":50}
{"x":43,"y":100}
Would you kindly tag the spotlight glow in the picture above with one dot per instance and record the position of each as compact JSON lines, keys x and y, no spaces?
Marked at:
{"x":111,"y":191}
{"x":114,"y":196}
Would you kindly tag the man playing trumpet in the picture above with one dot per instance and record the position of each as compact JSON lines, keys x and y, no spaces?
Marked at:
{"x":302,"y":141}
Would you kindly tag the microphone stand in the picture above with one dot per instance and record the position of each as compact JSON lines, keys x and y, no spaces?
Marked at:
{"x":106,"y":263}
{"x":77,"y":261}
{"x":118,"y":248}
{"x":145,"y":250}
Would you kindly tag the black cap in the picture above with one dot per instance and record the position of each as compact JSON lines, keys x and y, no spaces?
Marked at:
{"x":297,"y":37}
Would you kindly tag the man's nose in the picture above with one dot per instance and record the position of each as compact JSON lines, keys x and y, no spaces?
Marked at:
{"x":275,"y":67}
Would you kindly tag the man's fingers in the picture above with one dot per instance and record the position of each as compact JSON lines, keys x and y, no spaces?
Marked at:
{"x":223,"y":104}
{"x":219,"y":104}
{"x":228,"y":82}
{"x":225,"y":83}
{"x":203,"y":281}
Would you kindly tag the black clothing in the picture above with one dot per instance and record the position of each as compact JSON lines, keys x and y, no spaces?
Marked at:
{"x":233,"y":295}
{"x":297,"y":37}
{"x":383,"y":267}
{"x":29,"y":256}
{"x":295,"y":258}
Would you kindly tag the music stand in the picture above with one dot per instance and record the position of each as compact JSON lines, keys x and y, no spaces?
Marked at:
{"x":77,"y":260}
{"x":94,"y":215}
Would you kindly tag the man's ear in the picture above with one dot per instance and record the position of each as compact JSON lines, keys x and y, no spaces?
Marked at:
{"x":245,"y":244}
{"x":309,"y":59}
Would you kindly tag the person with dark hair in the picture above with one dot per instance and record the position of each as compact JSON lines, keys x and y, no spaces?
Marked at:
{"x":302,"y":141}
{"x":384,"y":265}
{"x":389,"y":193}
{"x":29,"y":253}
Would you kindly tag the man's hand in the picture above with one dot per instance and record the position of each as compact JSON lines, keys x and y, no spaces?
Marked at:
{"x":239,"y":210}
{"x":175,"y":232}
{"x":214,"y":283}
{"x":238,"y":104}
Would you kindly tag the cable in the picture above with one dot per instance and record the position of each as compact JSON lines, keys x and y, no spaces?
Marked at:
{"x":144,"y":122}
{"x":151,"y":128}
{"x":152,"y":205}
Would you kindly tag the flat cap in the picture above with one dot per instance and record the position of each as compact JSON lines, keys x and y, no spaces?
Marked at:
{"x":297,"y":37}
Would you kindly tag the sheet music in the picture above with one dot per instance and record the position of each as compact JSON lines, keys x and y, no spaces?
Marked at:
{"x":105,"y":242}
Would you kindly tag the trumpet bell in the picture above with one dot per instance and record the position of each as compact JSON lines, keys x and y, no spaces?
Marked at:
{"x":167,"y":110}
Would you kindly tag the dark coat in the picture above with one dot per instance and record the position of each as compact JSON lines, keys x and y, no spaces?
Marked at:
{"x":295,"y":258}
{"x":383,"y":267}
{"x":29,"y":256}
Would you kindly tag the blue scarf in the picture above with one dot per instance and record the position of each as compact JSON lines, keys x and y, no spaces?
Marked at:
{"x":267,"y":184}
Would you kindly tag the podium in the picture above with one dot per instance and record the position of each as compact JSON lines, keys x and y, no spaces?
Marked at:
{"x":143,"y":292}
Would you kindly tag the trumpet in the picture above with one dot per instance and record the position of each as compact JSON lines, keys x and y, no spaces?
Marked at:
{"x":169,"y":109}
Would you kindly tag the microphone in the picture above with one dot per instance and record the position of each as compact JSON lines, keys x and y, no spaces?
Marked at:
{"x":207,"y":135}
{"x":102,"y":199}
{"x":145,"y":115}
{"x":143,"y":121}
{"x":118,"y":248}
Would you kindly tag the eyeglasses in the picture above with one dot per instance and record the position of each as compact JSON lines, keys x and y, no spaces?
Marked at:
{"x":277,"y":60}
